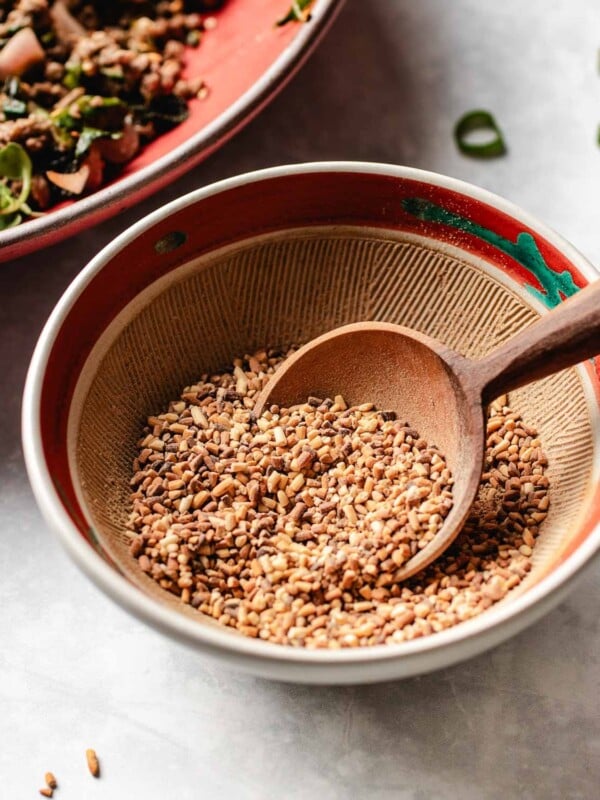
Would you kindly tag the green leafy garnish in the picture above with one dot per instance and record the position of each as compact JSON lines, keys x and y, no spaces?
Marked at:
{"x":106,"y":113}
{"x":297,"y":12}
{"x":93,"y":118}
{"x":479,"y":121}
{"x":15,"y":165}
{"x":14,"y":108}
{"x":63,"y":138}
{"x":72,"y":77}
{"x":165,"y":112}
{"x":9,"y":220}
{"x":89,"y":135}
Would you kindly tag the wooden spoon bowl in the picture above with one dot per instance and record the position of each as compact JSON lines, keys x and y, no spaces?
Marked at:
{"x":439,"y":392}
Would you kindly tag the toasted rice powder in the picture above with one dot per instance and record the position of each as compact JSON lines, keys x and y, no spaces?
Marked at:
{"x":291,"y":527}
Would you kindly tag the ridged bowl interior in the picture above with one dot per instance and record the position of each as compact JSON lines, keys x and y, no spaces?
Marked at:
{"x":285,"y":288}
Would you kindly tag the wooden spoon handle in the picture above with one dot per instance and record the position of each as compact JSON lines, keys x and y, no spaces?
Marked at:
{"x":567,"y":335}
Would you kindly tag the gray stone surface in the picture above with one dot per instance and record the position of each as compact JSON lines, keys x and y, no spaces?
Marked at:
{"x":521,"y":721}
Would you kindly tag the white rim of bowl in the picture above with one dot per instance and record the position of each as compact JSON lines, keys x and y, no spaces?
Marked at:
{"x":211,"y":638}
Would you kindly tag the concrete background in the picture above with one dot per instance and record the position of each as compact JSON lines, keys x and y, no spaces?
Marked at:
{"x":522,"y":721}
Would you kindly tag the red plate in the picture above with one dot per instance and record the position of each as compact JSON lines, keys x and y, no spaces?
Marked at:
{"x":245,"y":61}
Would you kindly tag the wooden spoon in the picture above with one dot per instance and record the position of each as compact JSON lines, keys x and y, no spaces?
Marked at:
{"x":439,"y":392}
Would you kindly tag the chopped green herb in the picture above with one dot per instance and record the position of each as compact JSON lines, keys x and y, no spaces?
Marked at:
{"x":479,"y":121}
{"x":62,"y":137}
{"x":165,"y":111}
{"x":298,"y":12}
{"x":72,"y":77}
{"x":89,"y":135}
{"x":192,"y":39}
{"x":13,"y":108}
{"x":15,"y":165}
{"x":8,"y":220}
{"x":106,"y":113}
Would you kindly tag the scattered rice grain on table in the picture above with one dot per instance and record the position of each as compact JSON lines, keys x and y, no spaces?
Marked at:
{"x":51,"y":781}
{"x":92,"y":762}
{"x":291,"y":527}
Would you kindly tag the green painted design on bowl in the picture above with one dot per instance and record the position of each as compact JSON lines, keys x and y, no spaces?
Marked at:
{"x":556,"y":285}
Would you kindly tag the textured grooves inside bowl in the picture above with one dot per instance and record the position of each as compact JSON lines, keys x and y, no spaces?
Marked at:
{"x":288,"y":288}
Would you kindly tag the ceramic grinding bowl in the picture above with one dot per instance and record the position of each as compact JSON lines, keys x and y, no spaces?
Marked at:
{"x":281,"y":256}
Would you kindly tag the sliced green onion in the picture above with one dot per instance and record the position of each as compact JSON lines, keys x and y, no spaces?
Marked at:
{"x":297,"y":12}
{"x":479,"y":121}
{"x":15,"y":165}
